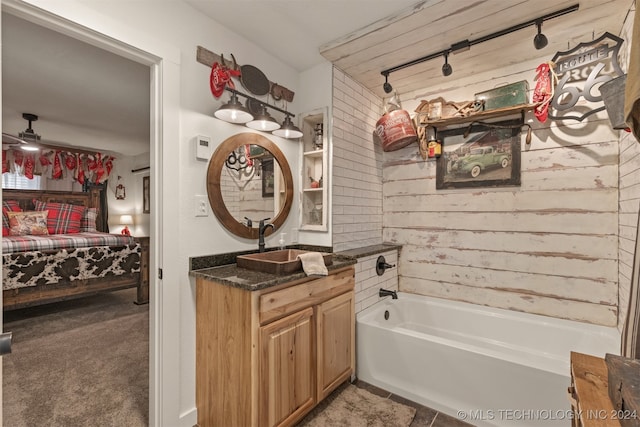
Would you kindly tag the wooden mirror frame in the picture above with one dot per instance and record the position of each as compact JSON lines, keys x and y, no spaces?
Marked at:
{"x":214,"y":173}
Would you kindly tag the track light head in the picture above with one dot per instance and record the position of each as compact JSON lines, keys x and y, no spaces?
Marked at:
{"x":387,"y":86}
{"x":540,"y":40}
{"x":446,"y":67}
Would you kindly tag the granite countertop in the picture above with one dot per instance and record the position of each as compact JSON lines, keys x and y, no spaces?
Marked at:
{"x":243,"y":278}
{"x":370,"y":250}
{"x":223,"y":268}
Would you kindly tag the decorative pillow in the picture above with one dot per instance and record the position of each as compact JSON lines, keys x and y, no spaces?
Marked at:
{"x":88,"y":222}
{"x":25,"y":223}
{"x":64,"y":218}
{"x":8,"y":206}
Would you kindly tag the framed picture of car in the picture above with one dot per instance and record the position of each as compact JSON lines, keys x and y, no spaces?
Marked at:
{"x":482,"y":155}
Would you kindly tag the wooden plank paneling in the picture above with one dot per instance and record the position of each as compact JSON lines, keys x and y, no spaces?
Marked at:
{"x":548,"y":306}
{"x":567,"y":288}
{"x":577,"y":245}
{"x":549,"y":246}
{"x":539,"y":222}
{"x":433,"y":25}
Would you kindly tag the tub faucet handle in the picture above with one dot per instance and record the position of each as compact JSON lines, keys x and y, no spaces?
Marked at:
{"x":382,"y":265}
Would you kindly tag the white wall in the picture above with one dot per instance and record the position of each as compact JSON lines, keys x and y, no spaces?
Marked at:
{"x":175,"y":25}
{"x":315,"y":94}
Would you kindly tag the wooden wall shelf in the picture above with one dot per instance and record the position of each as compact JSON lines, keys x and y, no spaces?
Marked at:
{"x":475,"y":117}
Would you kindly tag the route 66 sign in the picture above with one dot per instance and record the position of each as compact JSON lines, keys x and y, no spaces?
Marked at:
{"x":580,"y":72}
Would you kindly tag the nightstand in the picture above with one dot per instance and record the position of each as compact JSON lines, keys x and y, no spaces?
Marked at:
{"x":143,"y":288}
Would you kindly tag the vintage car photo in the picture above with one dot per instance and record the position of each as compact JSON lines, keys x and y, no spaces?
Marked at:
{"x":489,"y":155}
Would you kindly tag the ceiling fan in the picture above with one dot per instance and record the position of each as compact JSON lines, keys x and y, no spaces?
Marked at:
{"x":24,"y":139}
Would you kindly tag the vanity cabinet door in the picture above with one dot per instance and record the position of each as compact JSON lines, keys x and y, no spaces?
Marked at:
{"x":336,"y":342}
{"x":287,"y":367}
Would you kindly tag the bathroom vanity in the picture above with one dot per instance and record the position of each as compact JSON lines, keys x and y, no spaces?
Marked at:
{"x":269,"y":348}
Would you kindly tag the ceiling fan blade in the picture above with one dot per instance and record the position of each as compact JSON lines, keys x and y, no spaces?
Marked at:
{"x":10,"y":139}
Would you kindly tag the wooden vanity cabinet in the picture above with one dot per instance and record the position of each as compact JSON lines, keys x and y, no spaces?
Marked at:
{"x":286,"y":376}
{"x":267,"y":357}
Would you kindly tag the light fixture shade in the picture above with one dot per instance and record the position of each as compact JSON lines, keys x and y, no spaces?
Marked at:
{"x":446,"y":67}
{"x":233,"y":111}
{"x":288,"y":129}
{"x":263,"y":121}
{"x":126,"y":220}
{"x":540,"y":40}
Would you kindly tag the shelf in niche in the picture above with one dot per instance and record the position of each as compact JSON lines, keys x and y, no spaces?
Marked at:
{"x":312,"y":190}
{"x":475,"y":117}
{"x":314,"y":153}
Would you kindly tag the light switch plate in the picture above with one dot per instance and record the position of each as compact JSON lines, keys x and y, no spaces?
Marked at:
{"x":202,"y":205}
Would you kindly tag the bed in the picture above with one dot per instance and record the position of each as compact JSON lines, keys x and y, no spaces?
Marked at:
{"x":40,"y":269}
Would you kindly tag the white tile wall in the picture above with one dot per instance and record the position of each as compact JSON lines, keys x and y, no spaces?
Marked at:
{"x":368,"y":283}
{"x":357,"y":166}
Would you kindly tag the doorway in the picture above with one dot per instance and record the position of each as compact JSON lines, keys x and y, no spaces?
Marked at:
{"x":169,"y":128}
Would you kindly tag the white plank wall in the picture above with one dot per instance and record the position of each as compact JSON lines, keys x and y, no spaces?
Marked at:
{"x":559,"y":245}
{"x":549,"y":246}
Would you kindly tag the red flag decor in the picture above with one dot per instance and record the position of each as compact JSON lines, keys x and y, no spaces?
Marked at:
{"x":58,"y":164}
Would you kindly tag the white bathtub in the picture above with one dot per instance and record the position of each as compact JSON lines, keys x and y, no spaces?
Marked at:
{"x":489,"y":366}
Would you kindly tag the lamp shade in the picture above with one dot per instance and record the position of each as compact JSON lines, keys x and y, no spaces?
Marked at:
{"x":288,"y":130}
{"x":233,"y":112}
{"x":126,"y":220}
{"x":263,"y":121}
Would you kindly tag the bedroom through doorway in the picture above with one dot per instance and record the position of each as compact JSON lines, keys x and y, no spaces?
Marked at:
{"x":85,"y":358}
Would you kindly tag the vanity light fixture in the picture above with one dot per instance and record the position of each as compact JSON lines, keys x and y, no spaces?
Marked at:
{"x":233,"y":111}
{"x":539,"y":42}
{"x":263,"y":121}
{"x":288,"y":129}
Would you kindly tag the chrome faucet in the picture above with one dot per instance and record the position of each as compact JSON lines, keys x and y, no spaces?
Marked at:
{"x":386,"y":293}
{"x":261,"y":229}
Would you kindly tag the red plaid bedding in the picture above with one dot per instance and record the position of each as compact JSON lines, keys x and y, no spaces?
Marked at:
{"x":13,"y":244}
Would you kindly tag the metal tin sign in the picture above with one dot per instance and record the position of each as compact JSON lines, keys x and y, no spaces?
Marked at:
{"x":580,"y":72}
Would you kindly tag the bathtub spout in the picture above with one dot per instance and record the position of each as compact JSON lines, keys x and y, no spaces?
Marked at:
{"x":386,"y":293}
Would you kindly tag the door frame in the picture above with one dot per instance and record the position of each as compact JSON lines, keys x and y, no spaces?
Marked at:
{"x":78,"y":21}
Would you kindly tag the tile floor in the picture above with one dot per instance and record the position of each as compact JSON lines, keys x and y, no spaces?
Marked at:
{"x":425,"y":417}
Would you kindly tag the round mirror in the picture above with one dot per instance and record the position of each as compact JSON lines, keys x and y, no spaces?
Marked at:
{"x":249,"y":178}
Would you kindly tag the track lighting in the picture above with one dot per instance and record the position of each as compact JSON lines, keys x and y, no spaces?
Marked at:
{"x":446,"y":67}
{"x":288,"y":129}
{"x":387,"y":86}
{"x":540,"y":40}
{"x":263,"y":121}
{"x":233,"y":111}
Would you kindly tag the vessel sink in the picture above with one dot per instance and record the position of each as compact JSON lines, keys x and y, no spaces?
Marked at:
{"x":284,"y":261}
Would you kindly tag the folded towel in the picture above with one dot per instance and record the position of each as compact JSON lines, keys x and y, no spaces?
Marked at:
{"x":313,"y":264}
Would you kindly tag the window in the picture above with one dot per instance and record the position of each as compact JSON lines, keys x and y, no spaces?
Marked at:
{"x":18,"y":182}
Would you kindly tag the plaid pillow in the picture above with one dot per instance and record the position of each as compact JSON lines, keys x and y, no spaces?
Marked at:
{"x":89,"y":220}
{"x":63,"y":218}
{"x":8,"y":206}
{"x":27,"y":223}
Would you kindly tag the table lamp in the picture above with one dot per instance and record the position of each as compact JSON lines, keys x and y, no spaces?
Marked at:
{"x":126,"y":220}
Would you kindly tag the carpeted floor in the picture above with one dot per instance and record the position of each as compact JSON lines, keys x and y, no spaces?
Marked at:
{"x":80,"y":363}
{"x":356,"y":407}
